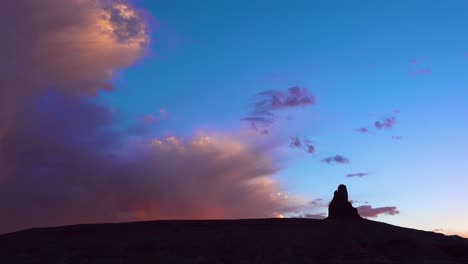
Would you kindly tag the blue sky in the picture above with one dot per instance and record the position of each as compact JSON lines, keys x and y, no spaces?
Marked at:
{"x":361,"y":59}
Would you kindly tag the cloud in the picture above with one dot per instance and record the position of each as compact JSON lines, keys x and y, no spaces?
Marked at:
{"x":151,"y":119}
{"x":275,"y":100}
{"x":266,"y":103}
{"x":67,"y":162}
{"x":336,"y":159}
{"x":73,"y":46}
{"x":310,"y":148}
{"x":76,"y":45}
{"x":388,"y":123}
{"x":295,"y":142}
{"x":319,"y":202}
{"x":363,"y":130}
{"x":359,"y":174}
{"x":397,"y":137}
{"x":369,"y":211}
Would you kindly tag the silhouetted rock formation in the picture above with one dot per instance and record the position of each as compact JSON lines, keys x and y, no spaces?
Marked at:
{"x":340,"y":207}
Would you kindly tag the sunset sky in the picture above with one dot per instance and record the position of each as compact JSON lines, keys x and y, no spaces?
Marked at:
{"x":117,"y":111}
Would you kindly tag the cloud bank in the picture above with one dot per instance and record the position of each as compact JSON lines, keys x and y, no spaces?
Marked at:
{"x":68,"y":164}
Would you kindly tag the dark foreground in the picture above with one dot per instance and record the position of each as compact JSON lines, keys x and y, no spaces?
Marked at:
{"x":232,"y":241}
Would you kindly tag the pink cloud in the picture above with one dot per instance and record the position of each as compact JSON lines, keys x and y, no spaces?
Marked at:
{"x":151,"y":119}
{"x":369,"y":211}
{"x":71,"y":46}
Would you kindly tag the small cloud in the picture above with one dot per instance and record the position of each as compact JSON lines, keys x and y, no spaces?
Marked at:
{"x":319,"y":202}
{"x":275,"y":100}
{"x":310,"y":148}
{"x":363,"y":130}
{"x":148,"y":119}
{"x":369,"y":211}
{"x":397,"y":137}
{"x":295,"y":142}
{"x":151,"y":119}
{"x":388,"y":123}
{"x":359,"y":174}
{"x":336,"y":159}
{"x":439,"y":230}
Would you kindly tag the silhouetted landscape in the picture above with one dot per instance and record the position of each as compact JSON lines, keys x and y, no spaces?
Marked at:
{"x":232,"y":241}
{"x":343,"y":237}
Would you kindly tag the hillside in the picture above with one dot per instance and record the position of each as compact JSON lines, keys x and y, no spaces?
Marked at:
{"x":232,"y":241}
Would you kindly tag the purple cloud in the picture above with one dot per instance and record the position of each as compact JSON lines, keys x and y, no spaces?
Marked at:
{"x":397,"y":137}
{"x":388,"y":123}
{"x":275,"y":100}
{"x":369,"y":211}
{"x":359,"y":174}
{"x":262,"y":114}
{"x":363,"y":130}
{"x":65,"y":162}
{"x":295,"y":142}
{"x":336,"y":159}
{"x":310,"y":148}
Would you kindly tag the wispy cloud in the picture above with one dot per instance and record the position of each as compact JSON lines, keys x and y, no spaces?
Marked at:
{"x":262,"y":115}
{"x":363,"y":130}
{"x":359,"y":174}
{"x":151,"y":119}
{"x":275,"y":100}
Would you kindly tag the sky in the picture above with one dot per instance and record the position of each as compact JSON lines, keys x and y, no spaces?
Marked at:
{"x":117,"y":111}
